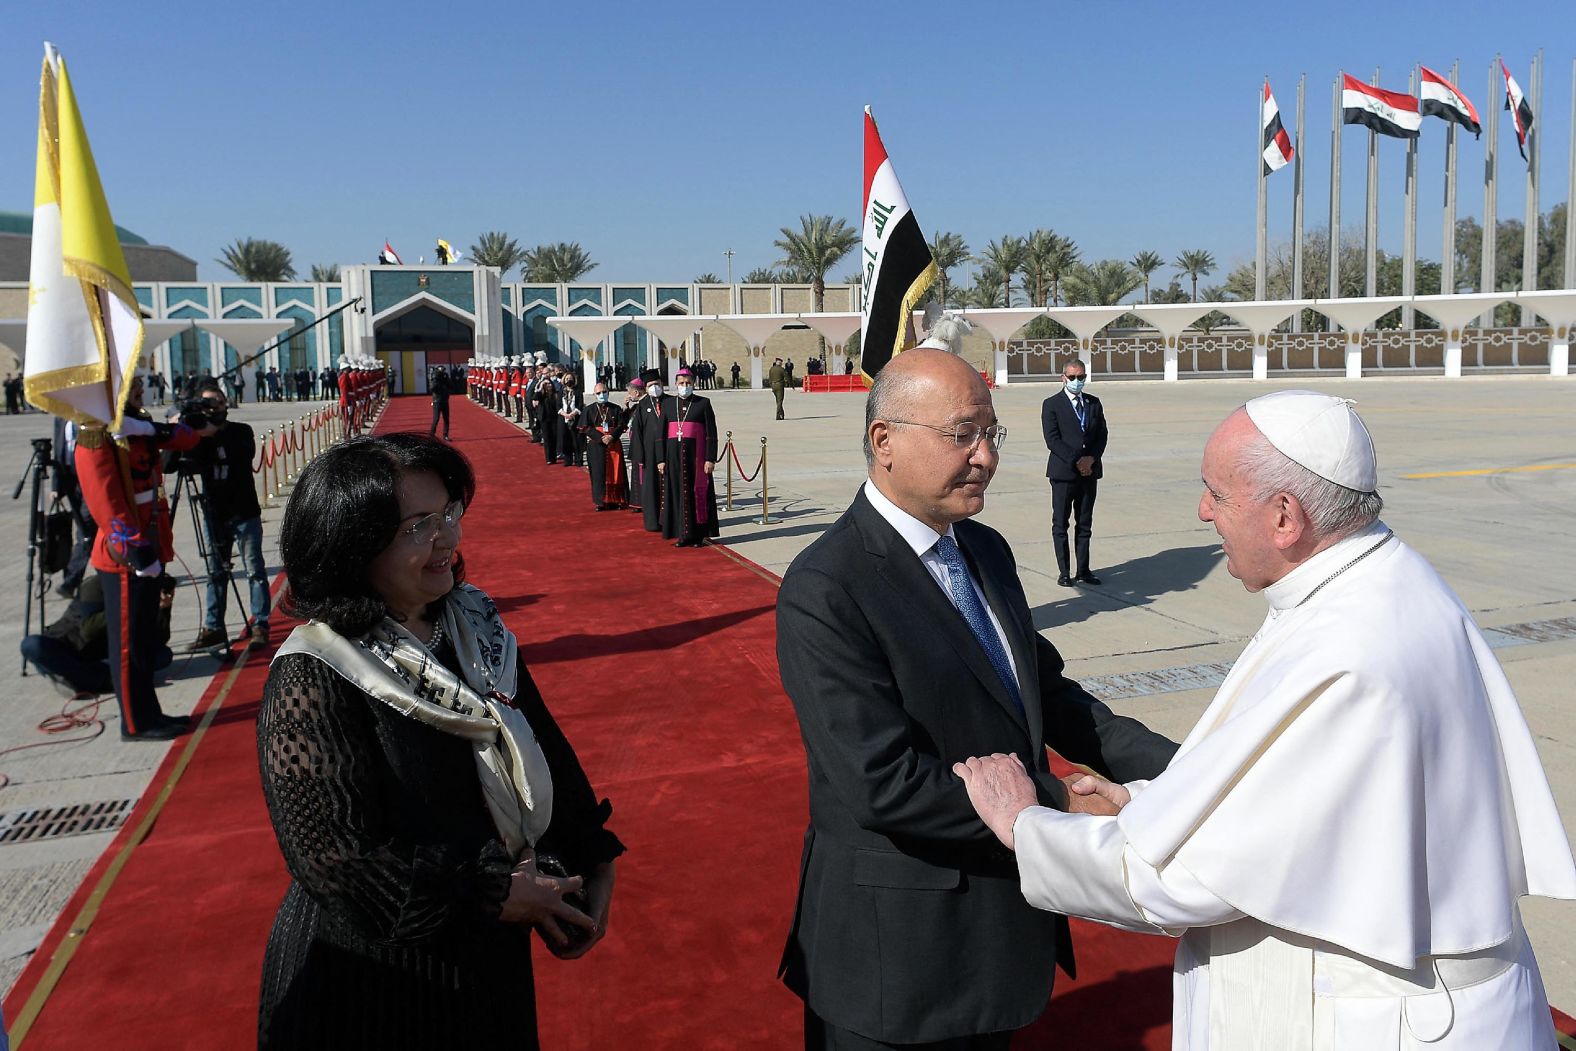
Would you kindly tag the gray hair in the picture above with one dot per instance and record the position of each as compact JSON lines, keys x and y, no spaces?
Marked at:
{"x":1333,"y":510}
{"x":889,"y":395}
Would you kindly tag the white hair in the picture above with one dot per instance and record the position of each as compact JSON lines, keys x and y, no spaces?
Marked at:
{"x":1333,"y":510}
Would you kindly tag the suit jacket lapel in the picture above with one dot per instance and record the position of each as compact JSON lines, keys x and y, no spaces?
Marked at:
{"x":901,"y":568}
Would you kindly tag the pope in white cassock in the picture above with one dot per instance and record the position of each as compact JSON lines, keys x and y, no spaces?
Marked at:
{"x":1342,"y":840}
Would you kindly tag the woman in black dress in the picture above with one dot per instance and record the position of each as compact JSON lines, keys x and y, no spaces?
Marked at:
{"x":421,"y":793}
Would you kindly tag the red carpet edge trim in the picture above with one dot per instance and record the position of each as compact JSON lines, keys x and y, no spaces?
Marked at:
{"x":171,"y":768}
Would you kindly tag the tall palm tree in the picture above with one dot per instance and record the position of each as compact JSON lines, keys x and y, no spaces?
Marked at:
{"x":1195,"y":263}
{"x":985,"y":293}
{"x":809,"y":252}
{"x":325,"y":273}
{"x":1005,"y":258}
{"x":708,"y":278}
{"x":1146,"y":263}
{"x":1061,"y":257}
{"x":1038,"y":248}
{"x":556,"y":263}
{"x":1212,"y":294}
{"x":256,"y":260}
{"x":1105,"y":284}
{"x":948,"y":250}
{"x":496,"y":248}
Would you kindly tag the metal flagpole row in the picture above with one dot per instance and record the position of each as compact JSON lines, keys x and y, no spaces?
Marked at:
{"x":1335,"y":196}
{"x":1371,"y":222}
{"x":1296,"y":208}
{"x":1487,"y":277}
{"x":1261,"y":232}
{"x":1447,"y":250}
{"x":1409,"y":220}
{"x":1529,"y":244}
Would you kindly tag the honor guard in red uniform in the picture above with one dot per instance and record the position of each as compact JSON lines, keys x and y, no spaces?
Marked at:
{"x":123,"y":484}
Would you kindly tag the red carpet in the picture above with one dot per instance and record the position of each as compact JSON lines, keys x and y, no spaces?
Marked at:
{"x":660,"y":664}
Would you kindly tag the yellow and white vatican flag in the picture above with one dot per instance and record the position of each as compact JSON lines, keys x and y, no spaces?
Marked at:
{"x":84,"y":331}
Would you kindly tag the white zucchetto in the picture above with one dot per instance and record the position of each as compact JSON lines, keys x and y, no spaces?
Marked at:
{"x":1322,"y":433}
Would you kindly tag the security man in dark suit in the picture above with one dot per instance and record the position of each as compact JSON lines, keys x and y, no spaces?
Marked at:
{"x":1075,"y":432}
{"x":905,"y":642}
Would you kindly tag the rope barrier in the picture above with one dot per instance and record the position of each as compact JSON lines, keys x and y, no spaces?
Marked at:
{"x":759,"y":472}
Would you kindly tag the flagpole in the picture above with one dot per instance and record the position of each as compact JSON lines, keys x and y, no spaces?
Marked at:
{"x":1260,"y":249}
{"x":1296,"y":209}
{"x":1570,"y":196}
{"x":1447,"y":249}
{"x":1409,"y":221}
{"x":1529,"y":244}
{"x":1371,"y":225}
{"x":1487,"y":279}
{"x":1335,"y":198}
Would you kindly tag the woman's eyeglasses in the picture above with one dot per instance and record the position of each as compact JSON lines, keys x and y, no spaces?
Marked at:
{"x":425,"y":531}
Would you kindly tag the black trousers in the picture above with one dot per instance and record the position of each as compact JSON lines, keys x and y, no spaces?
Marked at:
{"x":131,"y":617}
{"x":821,"y":1035}
{"x":550,"y":431}
{"x":440,"y":407}
{"x":1077,"y":497}
{"x":569,"y":447}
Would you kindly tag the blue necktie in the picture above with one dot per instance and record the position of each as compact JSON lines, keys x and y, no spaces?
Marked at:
{"x":1078,"y":407}
{"x":968,"y":602}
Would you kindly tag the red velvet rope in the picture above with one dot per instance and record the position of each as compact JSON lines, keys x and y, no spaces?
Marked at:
{"x":747,"y":477}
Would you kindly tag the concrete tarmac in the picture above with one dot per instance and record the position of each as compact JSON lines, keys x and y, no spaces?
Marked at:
{"x":1153,"y":639}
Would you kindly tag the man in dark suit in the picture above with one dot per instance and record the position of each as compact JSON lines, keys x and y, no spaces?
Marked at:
{"x":906,"y":644}
{"x":1075,"y":432}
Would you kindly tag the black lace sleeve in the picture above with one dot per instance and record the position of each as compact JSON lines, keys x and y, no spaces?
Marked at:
{"x":578,"y":831}
{"x":323,"y":780}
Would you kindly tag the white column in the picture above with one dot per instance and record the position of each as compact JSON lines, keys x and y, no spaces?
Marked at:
{"x":1559,"y":349}
{"x":1171,"y":360}
{"x":1354,"y":354}
{"x":839,"y":360}
{"x":1001,"y":363}
{"x":755,"y":367}
{"x":588,"y":368}
{"x":1261,"y":357}
{"x":1453,"y":353}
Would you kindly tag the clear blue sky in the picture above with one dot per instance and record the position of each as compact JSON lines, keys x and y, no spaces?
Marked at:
{"x":657,"y":135}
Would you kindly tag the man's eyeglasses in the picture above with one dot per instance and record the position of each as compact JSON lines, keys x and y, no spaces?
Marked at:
{"x":965,"y":435}
{"x":425,"y":531}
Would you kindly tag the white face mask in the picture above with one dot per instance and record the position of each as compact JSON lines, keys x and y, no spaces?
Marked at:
{"x":685,"y":390}
{"x":1076,"y":385}
{"x":656,"y":390}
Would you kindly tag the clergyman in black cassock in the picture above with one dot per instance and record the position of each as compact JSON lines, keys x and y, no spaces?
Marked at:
{"x":603,"y":426}
{"x":648,"y":436}
{"x":689,"y":512}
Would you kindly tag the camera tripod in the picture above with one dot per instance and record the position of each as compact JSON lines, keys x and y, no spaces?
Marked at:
{"x":37,"y":470}
{"x":188,"y":482}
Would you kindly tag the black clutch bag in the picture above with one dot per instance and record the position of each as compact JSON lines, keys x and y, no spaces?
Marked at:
{"x":548,"y":863}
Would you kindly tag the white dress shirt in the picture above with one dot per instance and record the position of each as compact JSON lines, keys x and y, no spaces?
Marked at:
{"x":923,"y":540}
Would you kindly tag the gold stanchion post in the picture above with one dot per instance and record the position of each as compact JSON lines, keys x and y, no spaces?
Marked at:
{"x":727,"y":452}
{"x":766,"y":516}
{"x":268,"y":492}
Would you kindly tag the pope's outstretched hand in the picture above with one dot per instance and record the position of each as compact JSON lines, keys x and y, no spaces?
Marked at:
{"x":1000,"y":790}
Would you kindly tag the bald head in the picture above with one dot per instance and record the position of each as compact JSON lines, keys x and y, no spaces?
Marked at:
{"x":914,"y":378}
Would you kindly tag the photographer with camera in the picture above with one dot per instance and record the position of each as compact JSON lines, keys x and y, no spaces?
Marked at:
{"x":231,"y":514}
{"x":122,"y":482}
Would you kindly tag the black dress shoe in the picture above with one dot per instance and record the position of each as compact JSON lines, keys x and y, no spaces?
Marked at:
{"x":1087,"y":577}
{"x":160,"y":731}
{"x":1063,"y":580}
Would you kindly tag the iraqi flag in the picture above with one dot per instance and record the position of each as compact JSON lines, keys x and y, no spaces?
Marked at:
{"x":84,"y":328}
{"x":898,"y":268}
{"x":1520,"y":109}
{"x":1386,"y":112}
{"x":1277,"y":144}
{"x":1440,"y":98}
{"x":388,"y":257}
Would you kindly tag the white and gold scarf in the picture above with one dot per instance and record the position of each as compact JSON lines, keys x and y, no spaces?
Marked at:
{"x":392,"y":665}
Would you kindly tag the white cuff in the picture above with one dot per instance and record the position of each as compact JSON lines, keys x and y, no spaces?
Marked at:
{"x":1072,"y":864}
